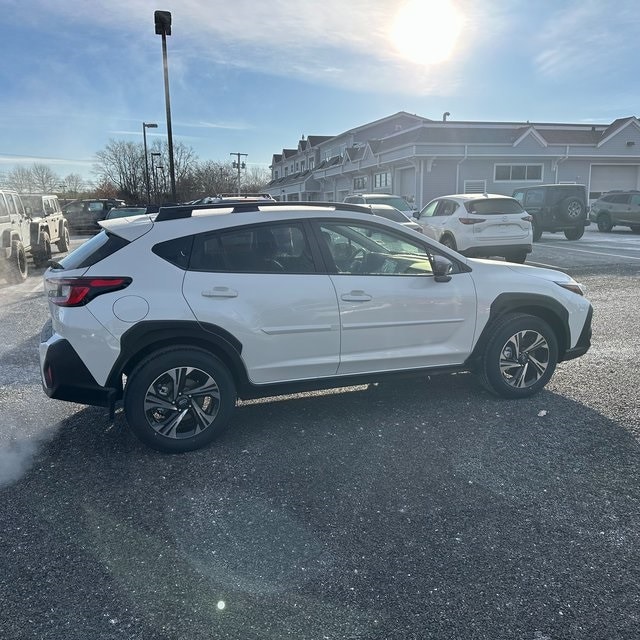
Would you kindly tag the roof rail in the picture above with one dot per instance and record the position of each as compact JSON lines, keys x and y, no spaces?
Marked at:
{"x":186,"y":211}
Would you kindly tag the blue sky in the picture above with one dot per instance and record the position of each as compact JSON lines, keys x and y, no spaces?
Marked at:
{"x":251,"y":76}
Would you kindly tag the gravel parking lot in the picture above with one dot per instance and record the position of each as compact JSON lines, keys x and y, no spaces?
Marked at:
{"x":422,"y":508}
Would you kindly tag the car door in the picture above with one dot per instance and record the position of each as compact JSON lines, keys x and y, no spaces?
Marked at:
{"x":260,"y":284}
{"x":19,"y":219}
{"x":634,"y":210}
{"x":393,"y":314}
{"x":428,"y":221}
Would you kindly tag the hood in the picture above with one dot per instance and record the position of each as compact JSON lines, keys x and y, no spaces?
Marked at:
{"x":551,"y":275}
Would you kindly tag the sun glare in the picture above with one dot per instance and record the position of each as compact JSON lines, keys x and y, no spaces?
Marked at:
{"x":426,"y":31}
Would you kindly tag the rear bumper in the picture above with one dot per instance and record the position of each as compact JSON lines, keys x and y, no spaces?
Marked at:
{"x":64,"y":375}
{"x":485,"y":251}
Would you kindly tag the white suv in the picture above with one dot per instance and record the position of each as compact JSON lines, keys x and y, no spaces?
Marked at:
{"x":479,"y":225}
{"x":181,"y":312}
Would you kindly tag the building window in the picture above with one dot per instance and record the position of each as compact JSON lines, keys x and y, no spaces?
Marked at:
{"x":297,"y":166}
{"x":302,"y":166}
{"x":382,"y":180}
{"x":359,"y":183}
{"x":275,"y":174}
{"x":517,"y":173}
{"x":286,"y":171}
{"x":311,"y":163}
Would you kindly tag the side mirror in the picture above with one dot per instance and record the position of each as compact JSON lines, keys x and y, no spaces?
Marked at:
{"x":442,"y":268}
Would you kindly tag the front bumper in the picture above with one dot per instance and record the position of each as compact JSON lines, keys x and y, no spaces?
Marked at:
{"x":65,"y":376}
{"x":584,"y":341}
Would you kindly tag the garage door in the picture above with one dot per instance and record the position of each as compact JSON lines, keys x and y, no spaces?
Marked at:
{"x":607,"y":177}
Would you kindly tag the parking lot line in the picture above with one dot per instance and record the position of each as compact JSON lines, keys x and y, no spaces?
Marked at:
{"x":595,"y":253}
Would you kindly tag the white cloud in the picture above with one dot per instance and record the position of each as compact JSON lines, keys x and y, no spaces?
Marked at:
{"x":587,"y":37}
{"x":332,"y":43}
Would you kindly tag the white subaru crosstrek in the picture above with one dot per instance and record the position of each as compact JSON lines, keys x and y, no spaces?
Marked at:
{"x":479,"y":225}
{"x":179,"y":313}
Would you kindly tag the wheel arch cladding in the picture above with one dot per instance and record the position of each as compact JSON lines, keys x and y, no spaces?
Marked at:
{"x":548,"y":309}
{"x":146,"y":337}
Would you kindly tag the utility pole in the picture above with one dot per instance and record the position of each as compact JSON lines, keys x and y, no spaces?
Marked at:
{"x":237,"y":164}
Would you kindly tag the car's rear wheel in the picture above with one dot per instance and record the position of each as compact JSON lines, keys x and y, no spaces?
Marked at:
{"x":43,"y":254}
{"x":635,"y":228}
{"x":519,"y":357}
{"x":17,"y":268}
{"x":449,"y":241}
{"x":519,"y":257}
{"x":536,"y":230}
{"x":604,"y":222}
{"x":64,"y":241}
{"x":179,"y":399}
{"x":575,"y":233}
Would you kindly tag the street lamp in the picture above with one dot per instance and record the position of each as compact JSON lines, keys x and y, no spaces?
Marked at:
{"x":145,"y":126}
{"x":239,"y":165}
{"x":163,"y":28}
{"x":154,"y":154}
{"x":162,"y":189}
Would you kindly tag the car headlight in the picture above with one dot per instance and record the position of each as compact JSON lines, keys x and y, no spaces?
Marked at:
{"x":576,"y":287}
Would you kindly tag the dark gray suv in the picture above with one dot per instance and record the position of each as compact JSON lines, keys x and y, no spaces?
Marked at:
{"x":555,"y":207}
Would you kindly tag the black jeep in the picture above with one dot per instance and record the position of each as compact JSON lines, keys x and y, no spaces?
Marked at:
{"x":555,"y":207}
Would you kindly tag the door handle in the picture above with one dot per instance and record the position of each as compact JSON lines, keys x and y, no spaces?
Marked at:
{"x":220,"y":292}
{"x":356,"y":296}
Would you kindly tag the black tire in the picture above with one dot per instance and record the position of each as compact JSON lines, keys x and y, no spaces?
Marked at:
{"x":64,"y":242}
{"x":43,"y":254}
{"x":572,"y":209}
{"x":160,"y":404}
{"x":604,"y":222}
{"x":449,"y":241}
{"x":635,"y":228}
{"x":537,"y":231}
{"x":518,"y":258}
{"x":17,"y":267}
{"x":519,"y":357}
{"x":574,"y":234}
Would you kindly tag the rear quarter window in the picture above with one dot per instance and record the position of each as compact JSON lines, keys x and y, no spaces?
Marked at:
{"x":93,"y":251}
{"x":176,"y":251}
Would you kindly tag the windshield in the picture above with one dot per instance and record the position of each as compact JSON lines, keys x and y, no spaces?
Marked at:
{"x":390,"y":214}
{"x":494,"y":206}
{"x":398,"y":203}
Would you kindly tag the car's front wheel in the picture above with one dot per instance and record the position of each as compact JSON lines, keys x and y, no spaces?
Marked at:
{"x":178,"y":399}
{"x":604,"y":222}
{"x":17,"y":268}
{"x":519,"y":357}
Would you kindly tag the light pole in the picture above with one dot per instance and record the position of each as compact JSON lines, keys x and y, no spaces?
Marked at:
{"x":239,"y":165}
{"x":163,"y":28}
{"x":153,"y":173}
{"x":145,"y":126}
{"x":162,"y":189}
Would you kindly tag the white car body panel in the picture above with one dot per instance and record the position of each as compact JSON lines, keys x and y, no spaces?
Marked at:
{"x":404,"y":322}
{"x":287,"y":323}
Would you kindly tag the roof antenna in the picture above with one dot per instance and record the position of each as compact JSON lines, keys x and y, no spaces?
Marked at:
{"x":445,"y":115}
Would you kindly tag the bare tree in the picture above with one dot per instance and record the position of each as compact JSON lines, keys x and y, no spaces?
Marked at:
{"x":185,"y":164}
{"x":73,"y":184}
{"x":211,"y":178}
{"x":20,"y":179}
{"x":255,"y":179}
{"x":45,"y":180}
{"x":122,"y":164}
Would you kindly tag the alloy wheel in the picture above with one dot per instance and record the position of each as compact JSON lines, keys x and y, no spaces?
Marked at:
{"x":524,"y":358}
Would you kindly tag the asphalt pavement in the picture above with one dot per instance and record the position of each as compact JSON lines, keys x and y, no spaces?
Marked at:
{"x":423,"y":508}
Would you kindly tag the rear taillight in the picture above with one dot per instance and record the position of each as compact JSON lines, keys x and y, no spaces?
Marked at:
{"x":471,"y":220}
{"x":76,"y":292}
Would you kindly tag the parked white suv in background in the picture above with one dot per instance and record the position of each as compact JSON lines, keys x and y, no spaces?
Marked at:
{"x":181,"y":312}
{"x":479,"y":225}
